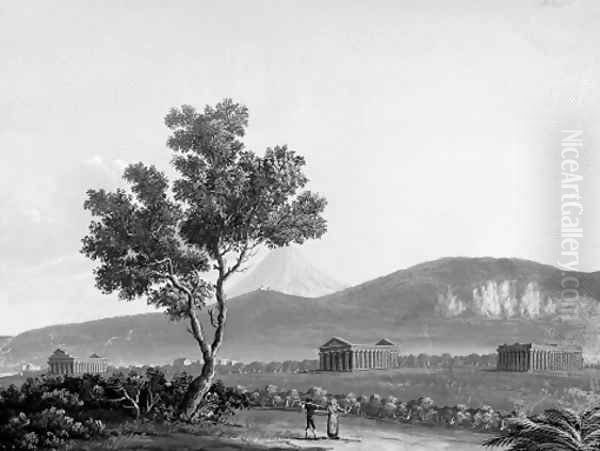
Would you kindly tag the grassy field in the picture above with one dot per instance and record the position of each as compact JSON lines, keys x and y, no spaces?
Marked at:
{"x":501,"y":390}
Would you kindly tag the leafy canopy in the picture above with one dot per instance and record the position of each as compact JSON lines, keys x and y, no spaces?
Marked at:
{"x":158,"y":237}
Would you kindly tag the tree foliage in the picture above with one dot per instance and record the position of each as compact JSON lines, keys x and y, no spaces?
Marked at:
{"x":159,"y":238}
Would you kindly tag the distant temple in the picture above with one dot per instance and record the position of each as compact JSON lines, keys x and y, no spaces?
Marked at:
{"x":536,"y":357}
{"x":61,"y":363}
{"x":341,"y":355}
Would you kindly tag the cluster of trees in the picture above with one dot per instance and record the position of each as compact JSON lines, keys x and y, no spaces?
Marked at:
{"x":256,"y":367}
{"x":47,"y":412}
{"x":447,"y":361}
{"x":444,"y":361}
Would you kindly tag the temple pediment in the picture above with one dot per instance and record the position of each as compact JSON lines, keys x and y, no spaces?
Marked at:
{"x":60,"y":354}
{"x":337,"y":342}
{"x":385,"y":342}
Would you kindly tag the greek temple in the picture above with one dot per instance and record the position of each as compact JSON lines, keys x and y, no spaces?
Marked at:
{"x":341,"y":355}
{"x":61,"y":363}
{"x":529,"y":357}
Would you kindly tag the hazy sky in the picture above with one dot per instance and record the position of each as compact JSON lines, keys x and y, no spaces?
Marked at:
{"x":433,"y":127}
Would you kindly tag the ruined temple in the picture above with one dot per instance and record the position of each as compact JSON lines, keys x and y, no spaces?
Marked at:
{"x":341,"y":355}
{"x":529,"y":357}
{"x":61,"y":363}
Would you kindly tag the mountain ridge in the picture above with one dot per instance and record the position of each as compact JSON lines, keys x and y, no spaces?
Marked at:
{"x":454,"y":304}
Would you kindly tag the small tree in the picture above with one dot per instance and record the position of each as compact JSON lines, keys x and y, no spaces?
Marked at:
{"x":158,"y":240}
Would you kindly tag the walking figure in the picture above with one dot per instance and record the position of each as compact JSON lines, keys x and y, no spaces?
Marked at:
{"x":310,"y":408}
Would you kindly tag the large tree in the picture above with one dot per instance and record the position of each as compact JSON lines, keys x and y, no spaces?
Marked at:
{"x":160,"y":239}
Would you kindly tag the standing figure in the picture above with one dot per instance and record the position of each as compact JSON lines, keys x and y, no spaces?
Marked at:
{"x":310,"y":408}
{"x":333,"y":411}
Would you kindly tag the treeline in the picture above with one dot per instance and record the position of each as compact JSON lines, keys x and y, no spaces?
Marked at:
{"x":443,"y":361}
{"x":447,"y":361}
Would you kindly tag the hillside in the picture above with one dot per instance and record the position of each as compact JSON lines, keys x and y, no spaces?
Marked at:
{"x":458,"y":305}
{"x":287,"y":271}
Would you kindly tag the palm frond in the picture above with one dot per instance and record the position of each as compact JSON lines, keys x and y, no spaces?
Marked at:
{"x":555,"y":429}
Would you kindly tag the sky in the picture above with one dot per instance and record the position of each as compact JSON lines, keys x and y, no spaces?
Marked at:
{"x":432,"y":127}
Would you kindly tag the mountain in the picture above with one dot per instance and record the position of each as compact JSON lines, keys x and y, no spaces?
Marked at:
{"x":457,"y":305}
{"x":287,"y":271}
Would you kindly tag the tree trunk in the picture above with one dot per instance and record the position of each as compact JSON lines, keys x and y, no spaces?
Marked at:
{"x":198,"y":389}
{"x":200,"y":385}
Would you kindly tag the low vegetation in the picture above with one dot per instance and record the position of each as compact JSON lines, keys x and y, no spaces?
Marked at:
{"x":48,"y":412}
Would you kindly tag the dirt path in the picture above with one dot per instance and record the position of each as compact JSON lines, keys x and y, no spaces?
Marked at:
{"x":358,"y":434}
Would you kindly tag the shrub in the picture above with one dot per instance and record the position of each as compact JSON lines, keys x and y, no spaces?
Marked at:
{"x":48,"y":412}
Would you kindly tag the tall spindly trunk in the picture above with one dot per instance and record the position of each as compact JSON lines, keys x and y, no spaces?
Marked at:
{"x":201,"y":385}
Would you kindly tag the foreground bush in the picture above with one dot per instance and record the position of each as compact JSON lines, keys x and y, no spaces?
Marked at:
{"x":47,"y":412}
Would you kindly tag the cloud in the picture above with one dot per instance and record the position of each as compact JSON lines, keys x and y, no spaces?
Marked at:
{"x":43,"y":218}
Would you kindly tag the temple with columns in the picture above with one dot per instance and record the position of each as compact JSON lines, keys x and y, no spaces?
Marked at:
{"x":341,"y":355}
{"x":530,"y":357}
{"x":61,"y":363}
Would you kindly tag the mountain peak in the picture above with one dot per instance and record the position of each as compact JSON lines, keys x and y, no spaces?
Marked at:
{"x":286,"y":270}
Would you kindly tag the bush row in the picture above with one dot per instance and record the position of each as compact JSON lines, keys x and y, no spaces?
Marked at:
{"x":422,"y":410}
{"x":47,"y":412}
